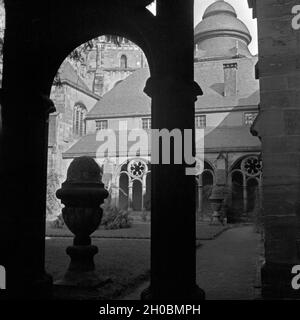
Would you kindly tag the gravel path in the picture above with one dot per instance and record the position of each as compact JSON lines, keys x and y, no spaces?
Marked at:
{"x":227,"y":266}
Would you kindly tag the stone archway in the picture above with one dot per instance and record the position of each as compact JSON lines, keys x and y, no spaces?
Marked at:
{"x":242,"y":173}
{"x":204,"y":185}
{"x":44,"y":39}
{"x":123,"y":191}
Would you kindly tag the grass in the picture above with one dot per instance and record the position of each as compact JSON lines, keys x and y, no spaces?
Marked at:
{"x":138,"y":231}
{"x":125,"y":263}
{"x":124,"y":258}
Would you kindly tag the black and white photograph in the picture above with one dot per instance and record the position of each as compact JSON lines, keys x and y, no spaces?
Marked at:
{"x":149,"y":155}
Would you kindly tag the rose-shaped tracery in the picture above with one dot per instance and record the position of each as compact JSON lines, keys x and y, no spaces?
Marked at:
{"x":252,"y":166}
{"x":137,"y":168}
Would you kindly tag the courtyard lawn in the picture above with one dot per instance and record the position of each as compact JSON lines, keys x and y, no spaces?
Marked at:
{"x":204,"y":231}
{"x":123,"y":258}
{"x":124,"y":263}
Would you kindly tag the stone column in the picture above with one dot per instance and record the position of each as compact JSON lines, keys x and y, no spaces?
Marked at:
{"x":200,"y":194}
{"x":173,"y":207}
{"x":25,"y":107}
{"x":278,"y":127}
{"x":130,"y":194}
{"x":24,"y":181}
{"x":245,"y":194}
{"x":116,"y":192}
{"x":218,"y":192}
{"x":230,"y":191}
{"x":144,"y":191}
{"x":260,"y":191}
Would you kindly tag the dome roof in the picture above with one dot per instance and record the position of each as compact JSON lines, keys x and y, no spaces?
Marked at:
{"x":221,"y":26}
{"x":219,"y":7}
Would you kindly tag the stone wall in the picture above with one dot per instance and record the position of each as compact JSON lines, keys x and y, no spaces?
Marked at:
{"x":278,"y":127}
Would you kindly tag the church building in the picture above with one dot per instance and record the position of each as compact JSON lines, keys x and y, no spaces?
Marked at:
{"x":225,"y":70}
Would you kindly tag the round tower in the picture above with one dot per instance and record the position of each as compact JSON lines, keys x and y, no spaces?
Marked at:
{"x":221,"y":34}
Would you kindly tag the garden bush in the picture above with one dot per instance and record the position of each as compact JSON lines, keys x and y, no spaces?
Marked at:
{"x":115,"y":218}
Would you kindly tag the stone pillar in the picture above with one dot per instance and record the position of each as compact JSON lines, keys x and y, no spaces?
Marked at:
{"x":260,"y":191}
{"x":245,"y":194}
{"x":115,"y":191}
{"x":200,"y":194}
{"x":278,"y":127}
{"x":130,"y":194}
{"x":173,"y":206}
{"x":24,"y":180}
{"x":230,"y":191}
{"x":144,"y":190}
{"x":25,"y":107}
{"x":218,"y":192}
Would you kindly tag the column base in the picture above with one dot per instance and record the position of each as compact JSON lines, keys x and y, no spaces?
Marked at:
{"x":276,"y":282}
{"x":194,"y":294}
{"x":84,"y":280}
{"x":216,"y":219}
{"x":81,"y":272}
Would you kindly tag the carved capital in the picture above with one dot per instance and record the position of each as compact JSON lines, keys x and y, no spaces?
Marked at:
{"x":255,"y":127}
{"x":173,"y":86}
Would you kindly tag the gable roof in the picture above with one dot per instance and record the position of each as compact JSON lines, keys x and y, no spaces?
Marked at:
{"x":128,"y":98}
{"x":68,"y":75}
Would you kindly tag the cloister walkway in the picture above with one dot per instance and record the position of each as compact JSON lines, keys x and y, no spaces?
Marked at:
{"x":227,"y":267}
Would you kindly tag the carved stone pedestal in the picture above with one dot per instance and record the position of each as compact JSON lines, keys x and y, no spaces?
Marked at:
{"x":82,"y":194}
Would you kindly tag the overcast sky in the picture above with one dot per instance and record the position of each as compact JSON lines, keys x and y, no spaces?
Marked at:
{"x":244,"y":13}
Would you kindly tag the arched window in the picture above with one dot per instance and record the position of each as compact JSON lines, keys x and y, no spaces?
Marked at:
{"x":123,"y":62}
{"x":79,"y":119}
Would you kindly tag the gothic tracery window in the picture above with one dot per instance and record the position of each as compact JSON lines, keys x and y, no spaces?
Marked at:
{"x":79,"y":119}
{"x":137,"y":168}
{"x":252,"y":166}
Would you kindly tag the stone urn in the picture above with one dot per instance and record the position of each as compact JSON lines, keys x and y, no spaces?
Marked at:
{"x":82,"y":194}
{"x":216,"y":201}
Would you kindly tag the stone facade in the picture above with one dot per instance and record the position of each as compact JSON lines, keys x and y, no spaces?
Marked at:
{"x":278,"y":127}
{"x":108,"y":62}
{"x":225,"y":70}
{"x":80,"y":84}
{"x":172,"y":257}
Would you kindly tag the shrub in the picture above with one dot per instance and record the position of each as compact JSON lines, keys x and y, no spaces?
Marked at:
{"x":58,"y":223}
{"x":145,"y":215}
{"x":53,"y":207}
{"x":115,"y":218}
